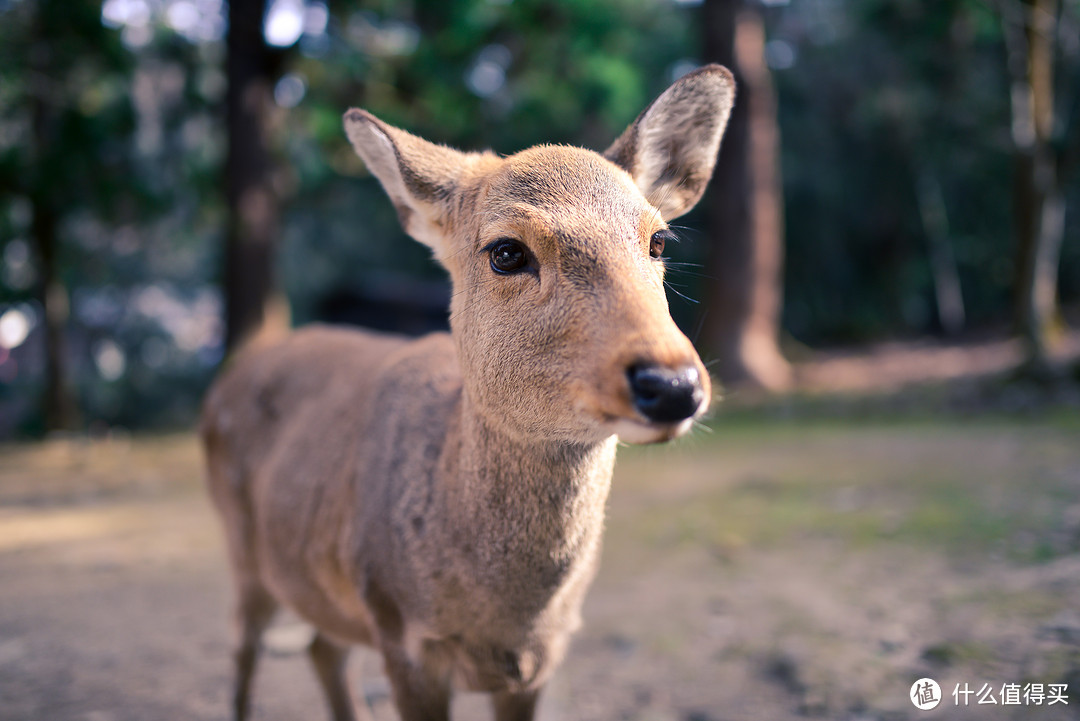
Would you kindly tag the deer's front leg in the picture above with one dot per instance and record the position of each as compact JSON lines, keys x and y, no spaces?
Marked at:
{"x":330,"y":661}
{"x":421,"y":695}
{"x":515,"y":706}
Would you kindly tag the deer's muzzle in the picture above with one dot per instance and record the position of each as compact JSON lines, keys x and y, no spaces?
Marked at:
{"x":666,"y":395}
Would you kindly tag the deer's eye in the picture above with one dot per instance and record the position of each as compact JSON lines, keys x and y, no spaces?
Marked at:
{"x":658,"y":241}
{"x":508,"y":256}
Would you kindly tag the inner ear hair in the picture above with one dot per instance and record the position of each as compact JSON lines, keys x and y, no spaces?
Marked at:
{"x":670,"y":149}
{"x":420,"y":177}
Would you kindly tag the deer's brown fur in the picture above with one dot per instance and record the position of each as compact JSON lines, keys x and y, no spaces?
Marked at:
{"x":442,"y":499}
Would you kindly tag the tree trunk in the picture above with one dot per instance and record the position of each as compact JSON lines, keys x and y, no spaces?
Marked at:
{"x":1030,"y":28}
{"x":59,"y":406}
{"x":744,"y":212}
{"x":253,"y":224}
{"x":943,"y":268}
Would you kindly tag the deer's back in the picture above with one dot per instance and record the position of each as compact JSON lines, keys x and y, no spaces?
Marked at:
{"x":266,"y":389}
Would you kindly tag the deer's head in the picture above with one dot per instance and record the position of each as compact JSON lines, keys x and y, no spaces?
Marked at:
{"x":556,"y":258}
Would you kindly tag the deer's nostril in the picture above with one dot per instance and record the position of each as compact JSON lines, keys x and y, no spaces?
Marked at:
{"x":665,"y":395}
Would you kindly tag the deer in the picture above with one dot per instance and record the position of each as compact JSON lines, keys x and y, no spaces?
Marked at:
{"x":441,"y":499}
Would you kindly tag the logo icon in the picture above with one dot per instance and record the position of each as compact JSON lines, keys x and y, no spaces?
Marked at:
{"x":925,"y":694}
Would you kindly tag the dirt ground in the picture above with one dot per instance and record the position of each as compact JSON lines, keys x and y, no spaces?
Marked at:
{"x":763,"y":571}
{"x":892,"y":365}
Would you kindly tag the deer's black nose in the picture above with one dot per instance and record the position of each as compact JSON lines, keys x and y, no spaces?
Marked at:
{"x":666,"y":395}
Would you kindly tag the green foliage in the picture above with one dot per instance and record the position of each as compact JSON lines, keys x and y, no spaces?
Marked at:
{"x":564,"y":72}
{"x":875,"y":95}
{"x":107,"y":145}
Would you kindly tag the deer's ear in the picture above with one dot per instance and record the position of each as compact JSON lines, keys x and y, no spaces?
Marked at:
{"x":420,"y":177}
{"x":671,"y":148}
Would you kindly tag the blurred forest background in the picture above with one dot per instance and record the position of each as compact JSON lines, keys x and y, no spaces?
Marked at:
{"x":174,"y":175}
{"x":897,"y":198}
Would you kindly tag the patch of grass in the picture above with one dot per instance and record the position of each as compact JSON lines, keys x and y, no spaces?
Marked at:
{"x":944,"y":516}
{"x":999,"y":488}
{"x":959,"y":653}
{"x":992,"y":401}
{"x":1036,"y":605}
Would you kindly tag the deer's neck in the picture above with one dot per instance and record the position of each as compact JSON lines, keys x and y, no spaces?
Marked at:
{"x":536,"y":505}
